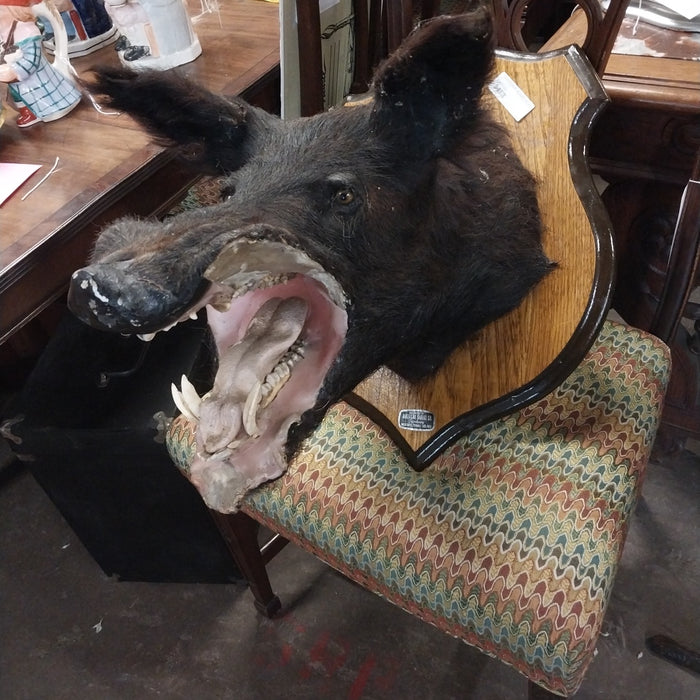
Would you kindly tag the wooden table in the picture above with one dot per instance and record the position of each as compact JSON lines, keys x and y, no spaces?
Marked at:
{"x":108,"y":166}
{"x":649,"y":66}
{"x":644,"y":146}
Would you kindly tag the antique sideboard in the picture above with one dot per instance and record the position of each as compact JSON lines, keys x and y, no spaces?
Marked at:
{"x":643,"y":148}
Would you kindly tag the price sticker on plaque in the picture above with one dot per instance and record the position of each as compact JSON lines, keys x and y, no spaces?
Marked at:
{"x":507,"y":92}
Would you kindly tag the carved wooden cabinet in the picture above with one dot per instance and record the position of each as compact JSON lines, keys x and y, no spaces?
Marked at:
{"x":646,"y":157}
{"x":644,"y":147}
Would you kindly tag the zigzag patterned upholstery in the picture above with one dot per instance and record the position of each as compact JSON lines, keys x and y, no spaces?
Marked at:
{"x":511,"y":539}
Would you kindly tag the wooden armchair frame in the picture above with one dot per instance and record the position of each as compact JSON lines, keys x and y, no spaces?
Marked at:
{"x":516,"y":362}
{"x":551,"y":331}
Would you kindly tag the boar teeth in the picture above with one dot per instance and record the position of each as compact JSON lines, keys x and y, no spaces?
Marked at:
{"x":273,"y":383}
{"x":260,"y":397}
{"x":146,"y":337}
{"x":264,"y":393}
{"x":179,"y":402}
{"x":187,"y":399}
{"x":190,"y":395}
{"x":260,"y":281}
{"x":276,"y":380}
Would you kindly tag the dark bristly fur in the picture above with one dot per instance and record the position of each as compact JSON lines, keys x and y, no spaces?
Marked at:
{"x":210,"y":129}
{"x":439,"y":236}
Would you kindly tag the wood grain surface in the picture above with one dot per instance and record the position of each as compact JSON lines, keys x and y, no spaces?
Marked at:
{"x":108,"y":166}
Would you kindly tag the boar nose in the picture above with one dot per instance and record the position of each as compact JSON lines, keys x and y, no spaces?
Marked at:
{"x":109,"y":298}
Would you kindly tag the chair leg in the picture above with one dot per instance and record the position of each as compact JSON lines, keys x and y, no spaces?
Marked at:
{"x":537,"y":692}
{"x":241,"y":534}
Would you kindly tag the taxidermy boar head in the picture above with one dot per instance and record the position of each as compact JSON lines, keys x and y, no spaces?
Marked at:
{"x":384,"y":233}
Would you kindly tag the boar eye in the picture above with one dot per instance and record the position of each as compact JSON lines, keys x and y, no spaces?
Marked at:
{"x":344,"y":193}
{"x":346,"y":196}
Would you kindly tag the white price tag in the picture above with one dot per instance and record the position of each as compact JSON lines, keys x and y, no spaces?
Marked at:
{"x":511,"y":96}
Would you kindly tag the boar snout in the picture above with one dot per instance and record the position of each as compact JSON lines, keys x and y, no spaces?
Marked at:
{"x":110,"y":297}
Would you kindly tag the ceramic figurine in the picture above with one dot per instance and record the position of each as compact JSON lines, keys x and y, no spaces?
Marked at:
{"x":88,"y":27}
{"x":156,"y":34}
{"x":41,"y":91}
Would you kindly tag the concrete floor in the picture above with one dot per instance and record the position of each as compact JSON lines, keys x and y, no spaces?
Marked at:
{"x":69,"y":631}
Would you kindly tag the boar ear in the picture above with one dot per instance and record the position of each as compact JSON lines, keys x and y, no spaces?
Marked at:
{"x":430,"y":87}
{"x":212,"y":130}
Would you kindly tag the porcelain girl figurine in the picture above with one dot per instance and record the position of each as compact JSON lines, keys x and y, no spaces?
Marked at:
{"x":42,"y":91}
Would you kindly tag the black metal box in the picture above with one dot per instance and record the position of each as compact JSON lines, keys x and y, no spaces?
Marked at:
{"x":89,"y":424}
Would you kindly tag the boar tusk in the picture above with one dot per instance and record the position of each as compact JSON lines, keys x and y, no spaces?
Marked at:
{"x":187,"y":399}
{"x":250,"y":410}
{"x":189,"y":393}
{"x":180,"y":403}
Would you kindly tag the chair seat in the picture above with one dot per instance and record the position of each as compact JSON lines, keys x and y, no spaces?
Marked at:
{"x":511,"y":539}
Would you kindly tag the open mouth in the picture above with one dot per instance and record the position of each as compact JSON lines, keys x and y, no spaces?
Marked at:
{"x":278,"y":320}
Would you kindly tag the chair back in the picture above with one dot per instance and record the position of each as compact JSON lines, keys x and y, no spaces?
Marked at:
{"x":380,"y":26}
{"x":522,"y":356}
{"x":683,"y":263}
{"x":519,"y":23}
{"x":378,"y":29}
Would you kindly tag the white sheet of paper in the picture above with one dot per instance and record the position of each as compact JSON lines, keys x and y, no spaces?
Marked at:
{"x":13,"y":176}
{"x":687,"y":8}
